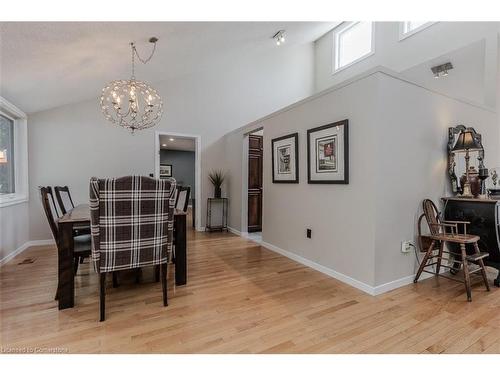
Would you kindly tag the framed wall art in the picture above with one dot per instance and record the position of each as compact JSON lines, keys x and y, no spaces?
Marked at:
{"x":285,"y":159}
{"x":165,"y":170}
{"x":328,"y":154}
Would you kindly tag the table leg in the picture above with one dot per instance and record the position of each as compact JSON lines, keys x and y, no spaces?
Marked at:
{"x":66,"y":279}
{"x":180,"y":250}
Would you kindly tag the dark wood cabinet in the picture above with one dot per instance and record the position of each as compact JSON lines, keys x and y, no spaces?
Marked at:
{"x":255,"y":183}
{"x":483,"y":215}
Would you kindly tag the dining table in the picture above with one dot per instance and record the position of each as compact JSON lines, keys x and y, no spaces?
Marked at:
{"x":80,"y":216}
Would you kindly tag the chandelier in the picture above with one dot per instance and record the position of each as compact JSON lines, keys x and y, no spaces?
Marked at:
{"x":132,"y":104}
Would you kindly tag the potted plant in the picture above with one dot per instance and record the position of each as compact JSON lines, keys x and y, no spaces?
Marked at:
{"x":217,"y":177}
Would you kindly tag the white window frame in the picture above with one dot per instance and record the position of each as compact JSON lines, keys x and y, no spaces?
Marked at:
{"x":403,"y":34}
{"x":336,"y":36}
{"x":20,"y":194}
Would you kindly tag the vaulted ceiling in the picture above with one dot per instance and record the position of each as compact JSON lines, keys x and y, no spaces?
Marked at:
{"x":49,"y":64}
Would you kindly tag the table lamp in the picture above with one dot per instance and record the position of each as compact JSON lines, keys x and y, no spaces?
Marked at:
{"x":465,"y":143}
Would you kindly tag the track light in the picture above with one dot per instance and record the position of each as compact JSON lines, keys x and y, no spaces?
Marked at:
{"x":441,"y":70}
{"x":279,"y":37}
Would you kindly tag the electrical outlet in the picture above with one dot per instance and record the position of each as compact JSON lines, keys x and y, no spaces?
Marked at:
{"x":406,"y":246}
{"x":309,"y":233}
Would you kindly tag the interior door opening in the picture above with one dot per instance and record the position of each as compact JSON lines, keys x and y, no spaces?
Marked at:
{"x":255,"y":177}
{"x":178,"y":156}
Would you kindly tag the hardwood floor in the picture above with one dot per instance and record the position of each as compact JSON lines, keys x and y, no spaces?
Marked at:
{"x":240,"y":298}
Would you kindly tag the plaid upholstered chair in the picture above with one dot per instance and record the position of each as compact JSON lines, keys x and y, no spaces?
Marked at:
{"x":131,"y":225}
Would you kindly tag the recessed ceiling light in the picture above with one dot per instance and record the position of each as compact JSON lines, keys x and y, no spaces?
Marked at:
{"x":171,"y":139}
{"x":164,"y":145}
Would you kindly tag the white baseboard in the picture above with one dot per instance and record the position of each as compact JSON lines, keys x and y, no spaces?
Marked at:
{"x":234,"y":231}
{"x":372,"y":290}
{"x":383,"y":288}
{"x":318,"y":267}
{"x":23,"y":247}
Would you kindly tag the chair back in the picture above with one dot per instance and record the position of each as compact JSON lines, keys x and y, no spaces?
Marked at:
{"x":431,"y":216}
{"x":183,"y":198}
{"x":50,"y":209}
{"x":131,"y":222}
{"x":63,"y":197}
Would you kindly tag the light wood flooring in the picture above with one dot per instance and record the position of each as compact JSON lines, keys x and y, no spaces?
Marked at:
{"x":241,"y":298}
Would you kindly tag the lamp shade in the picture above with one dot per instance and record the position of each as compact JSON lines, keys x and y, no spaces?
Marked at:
{"x":466,"y":141}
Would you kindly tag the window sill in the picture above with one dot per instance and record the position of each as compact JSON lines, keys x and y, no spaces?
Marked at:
{"x":403,"y":35}
{"x":347,"y":66}
{"x":13,"y":200}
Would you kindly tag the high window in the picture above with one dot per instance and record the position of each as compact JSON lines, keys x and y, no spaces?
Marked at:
{"x":353,"y":41}
{"x":7,"y":176}
{"x":13,"y":155}
{"x":408,"y":28}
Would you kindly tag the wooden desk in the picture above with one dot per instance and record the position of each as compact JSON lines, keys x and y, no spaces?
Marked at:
{"x":81,"y":215}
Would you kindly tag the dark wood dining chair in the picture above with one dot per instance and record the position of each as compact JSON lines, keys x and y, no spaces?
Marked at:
{"x":64,"y":199}
{"x":181,"y":203}
{"x":182,"y":199}
{"x":82,"y":242}
{"x":130,"y":235}
{"x":65,"y":202}
{"x":441,"y":232}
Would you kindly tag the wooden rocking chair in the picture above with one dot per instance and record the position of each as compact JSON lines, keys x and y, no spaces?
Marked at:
{"x":447,"y":231}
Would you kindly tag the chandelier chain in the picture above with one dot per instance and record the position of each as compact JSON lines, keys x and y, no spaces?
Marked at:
{"x":136,"y":53}
{"x":133,"y":60}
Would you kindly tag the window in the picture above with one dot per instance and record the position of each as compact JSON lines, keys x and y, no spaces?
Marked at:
{"x":409,"y":28}
{"x":13,"y":155}
{"x":7,"y":176}
{"x":353,"y":41}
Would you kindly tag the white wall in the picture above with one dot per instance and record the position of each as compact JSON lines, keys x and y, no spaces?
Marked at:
{"x":411,"y":152}
{"x":14,"y":229}
{"x":70,"y":144}
{"x":398,"y":135}
{"x":438,"y":40}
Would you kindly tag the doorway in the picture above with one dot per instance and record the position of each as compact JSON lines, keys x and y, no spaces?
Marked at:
{"x":178,"y":155}
{"x":254,"y":184}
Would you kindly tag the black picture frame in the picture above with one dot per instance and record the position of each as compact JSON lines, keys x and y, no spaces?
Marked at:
{"x":345,"y":125}
{"x":295,"y":137}
{"x":166,"y":174}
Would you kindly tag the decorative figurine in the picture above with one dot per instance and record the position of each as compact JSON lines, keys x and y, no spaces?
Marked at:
{"x":483,"y":175}
{"x":494,"y":191}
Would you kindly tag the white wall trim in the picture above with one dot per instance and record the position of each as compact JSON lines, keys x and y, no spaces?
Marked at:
{"x":391,"y":285}
{"x":318,"y":267}
{"x":235,"y":231}
{"x":25,"y":246}
{"x":371,"y":290}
